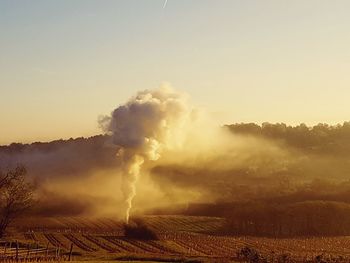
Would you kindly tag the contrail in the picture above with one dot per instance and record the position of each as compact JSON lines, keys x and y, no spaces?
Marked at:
{"x":165,"y":2}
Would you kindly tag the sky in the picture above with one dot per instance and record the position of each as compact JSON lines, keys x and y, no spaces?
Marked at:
{"x":64,"y":63}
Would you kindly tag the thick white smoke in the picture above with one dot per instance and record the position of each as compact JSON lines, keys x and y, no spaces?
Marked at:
{"x":142,"y":128}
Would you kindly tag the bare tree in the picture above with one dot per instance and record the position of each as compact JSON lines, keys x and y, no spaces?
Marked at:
{"x":16,"y":195}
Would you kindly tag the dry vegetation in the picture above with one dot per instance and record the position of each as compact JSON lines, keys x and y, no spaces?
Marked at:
{"x":179,"y":238}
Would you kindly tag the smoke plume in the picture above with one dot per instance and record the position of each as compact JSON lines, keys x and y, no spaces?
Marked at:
{"x":141,"y":129}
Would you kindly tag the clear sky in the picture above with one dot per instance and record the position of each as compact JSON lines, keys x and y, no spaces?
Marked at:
{"x":63,"y":63}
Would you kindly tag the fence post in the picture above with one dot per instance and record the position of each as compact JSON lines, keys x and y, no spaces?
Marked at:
{"x":70,"y":252}
{"x":28,"y":251}
{"x":36,"y":251}
{"x":17,"y":247}
{"x":58,"y":252}
{"x":47,"y":250}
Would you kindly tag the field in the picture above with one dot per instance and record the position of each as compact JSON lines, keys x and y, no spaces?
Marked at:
{"x":180,"y":238}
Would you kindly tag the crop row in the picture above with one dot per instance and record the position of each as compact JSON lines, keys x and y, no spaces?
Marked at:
{"x":101,"y":244}
{"x":197,"y":244}
{"x":82,"y":245}
{"x":54,"y":241}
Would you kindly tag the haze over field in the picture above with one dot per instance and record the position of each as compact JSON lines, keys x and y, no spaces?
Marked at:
{"x":162,"y":155}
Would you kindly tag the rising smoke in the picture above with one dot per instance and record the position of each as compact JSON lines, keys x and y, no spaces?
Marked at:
{"x":141,"y":129}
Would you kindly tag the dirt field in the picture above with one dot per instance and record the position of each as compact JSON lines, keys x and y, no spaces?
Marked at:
{"x":180,"y":238}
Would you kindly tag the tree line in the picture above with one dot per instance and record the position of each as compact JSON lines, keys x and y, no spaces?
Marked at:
{"x":321,"y":138}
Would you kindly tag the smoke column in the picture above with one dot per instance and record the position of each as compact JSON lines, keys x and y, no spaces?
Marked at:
{"x":142,"y":128}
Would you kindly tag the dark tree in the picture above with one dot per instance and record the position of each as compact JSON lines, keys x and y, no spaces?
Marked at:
{"x":16,"y":195}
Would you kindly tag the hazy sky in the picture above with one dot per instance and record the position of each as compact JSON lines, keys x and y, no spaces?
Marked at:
{"x":63,"y":63}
